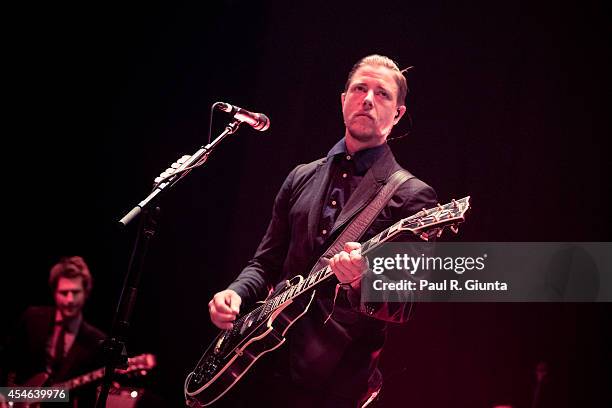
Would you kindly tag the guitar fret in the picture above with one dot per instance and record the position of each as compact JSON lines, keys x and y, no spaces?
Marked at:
{"x":391,"y":230}
{"x":264,"y":311}
{"x":279,"y":301}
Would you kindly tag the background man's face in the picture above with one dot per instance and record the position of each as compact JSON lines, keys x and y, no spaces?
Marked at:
{"x":69,"y":296}
{"x":369,"y":105}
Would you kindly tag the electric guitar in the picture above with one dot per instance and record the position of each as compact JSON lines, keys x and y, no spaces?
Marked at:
{"x":138,"y":365}
{"x":263,"y":329}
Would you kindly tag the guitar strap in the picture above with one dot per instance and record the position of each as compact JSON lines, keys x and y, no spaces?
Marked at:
{"x":364,"y":219}
{"x":360,"y":224}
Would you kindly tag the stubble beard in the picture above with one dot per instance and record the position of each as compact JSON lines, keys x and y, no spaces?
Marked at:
{"x":362,"y":134}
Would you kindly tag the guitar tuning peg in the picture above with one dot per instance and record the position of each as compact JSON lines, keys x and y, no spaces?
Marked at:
{"x":440,"y":231}
{"x":424,"y":236}
{"x":175,"y":165}
{"x":454,"y":203}
{"x":440,"y":206}
{"x":454,"y":228}
{"x":184,"y":159}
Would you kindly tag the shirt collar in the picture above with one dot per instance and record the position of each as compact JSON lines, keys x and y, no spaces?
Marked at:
{"x":71,"y":325}
{"x":363,"y":159}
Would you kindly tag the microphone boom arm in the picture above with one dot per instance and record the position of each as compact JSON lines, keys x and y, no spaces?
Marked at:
{"x":196,"y":160}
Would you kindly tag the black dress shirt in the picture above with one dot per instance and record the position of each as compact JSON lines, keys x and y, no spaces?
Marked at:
{"x":345,"y":175}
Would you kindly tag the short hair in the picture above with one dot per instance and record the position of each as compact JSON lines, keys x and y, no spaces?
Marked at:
{"x":381,"y":60}
{"x":71,"y":267}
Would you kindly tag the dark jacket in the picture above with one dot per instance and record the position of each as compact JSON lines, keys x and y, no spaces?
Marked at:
{"x":346,"y":348}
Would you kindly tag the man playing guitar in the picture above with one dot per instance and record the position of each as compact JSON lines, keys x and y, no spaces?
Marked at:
{"x":332,"y":363}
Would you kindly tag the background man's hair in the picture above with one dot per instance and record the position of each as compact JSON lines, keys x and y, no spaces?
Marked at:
{"x":71,"y":267}
{"x":381,"y":60}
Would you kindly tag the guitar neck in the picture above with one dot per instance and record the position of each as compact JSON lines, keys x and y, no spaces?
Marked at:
{"x":81,"y":380}
{"x":426,"y":220}
{"x":325,"y":273}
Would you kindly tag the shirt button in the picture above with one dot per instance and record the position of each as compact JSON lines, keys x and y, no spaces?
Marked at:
{"x":334,"y":203}
{"x":348,"y":157}
{"x":324,"y":232}
{"x":344,"y":175}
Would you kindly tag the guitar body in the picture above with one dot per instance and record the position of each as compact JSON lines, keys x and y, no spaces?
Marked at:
{"x":229,"y":357}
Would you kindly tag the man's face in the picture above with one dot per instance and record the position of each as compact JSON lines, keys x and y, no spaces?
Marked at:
{"x":69,"y":296}
{"x":369,"y":105}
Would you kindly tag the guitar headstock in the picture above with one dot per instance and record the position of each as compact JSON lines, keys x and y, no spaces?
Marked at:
{"x":141,"y":364}
{"x":432,"y":222}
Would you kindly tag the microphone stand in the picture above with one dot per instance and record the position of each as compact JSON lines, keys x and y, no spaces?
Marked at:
{"x":114,"y":347}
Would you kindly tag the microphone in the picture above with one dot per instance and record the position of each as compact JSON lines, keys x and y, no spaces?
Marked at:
{"x":257,"y":121}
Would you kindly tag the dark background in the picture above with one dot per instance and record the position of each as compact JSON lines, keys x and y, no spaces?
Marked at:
{"x":509,"y":105}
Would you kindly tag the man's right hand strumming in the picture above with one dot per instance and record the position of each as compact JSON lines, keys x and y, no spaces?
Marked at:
{"x":223,"y":308}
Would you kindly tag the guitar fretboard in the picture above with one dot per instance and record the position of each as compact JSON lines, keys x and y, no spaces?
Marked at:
{"x":322,"y":274}
{"x":140,"y":363}
{"x":82,"y":380}
{"x":433,"y":218}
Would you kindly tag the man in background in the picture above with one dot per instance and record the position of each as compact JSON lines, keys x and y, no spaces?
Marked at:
{"x":56,"y":340}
